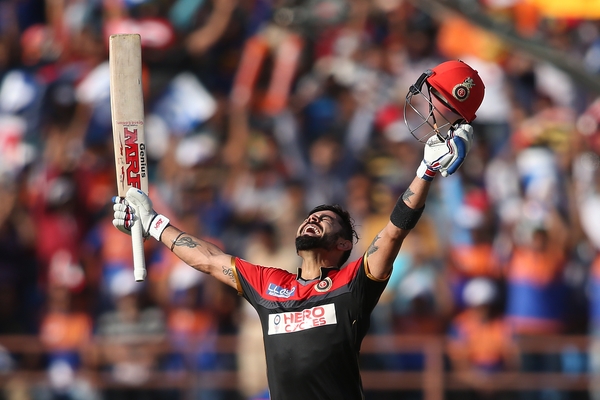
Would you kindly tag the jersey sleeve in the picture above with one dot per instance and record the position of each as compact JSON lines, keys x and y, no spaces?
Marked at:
{"x":246,"y":274}
{"x":371,"y":287}
{"x":368,"y":271}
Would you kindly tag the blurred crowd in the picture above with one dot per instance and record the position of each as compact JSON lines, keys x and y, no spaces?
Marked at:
{"x":257,"y":111}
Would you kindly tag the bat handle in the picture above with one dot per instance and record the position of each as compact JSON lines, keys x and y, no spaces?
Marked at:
{"x":139,"y":262}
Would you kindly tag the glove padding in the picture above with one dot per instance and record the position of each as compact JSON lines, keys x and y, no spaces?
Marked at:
{"x":137,"y":206}
{"x":446,"y":155}
{"x":123,"y":216}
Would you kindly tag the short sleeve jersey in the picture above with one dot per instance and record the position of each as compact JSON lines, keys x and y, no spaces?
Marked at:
{"x":312,"y":329}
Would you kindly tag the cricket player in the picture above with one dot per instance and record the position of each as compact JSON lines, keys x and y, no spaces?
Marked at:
{"x":314,"y":321}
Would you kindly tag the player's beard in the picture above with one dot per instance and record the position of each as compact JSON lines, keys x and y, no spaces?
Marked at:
{"x":325,"y":242}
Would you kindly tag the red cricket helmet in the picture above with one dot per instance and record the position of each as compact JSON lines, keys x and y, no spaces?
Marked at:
{"x":459,"y":87}
{"x":455,"y":85}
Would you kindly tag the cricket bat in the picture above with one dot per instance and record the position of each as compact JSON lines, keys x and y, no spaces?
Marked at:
{"x":127,"y":110}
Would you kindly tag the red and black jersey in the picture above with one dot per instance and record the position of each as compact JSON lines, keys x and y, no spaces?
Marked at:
{"x":312,"y":329}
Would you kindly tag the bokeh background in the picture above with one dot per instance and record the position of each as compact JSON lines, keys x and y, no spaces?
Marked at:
{"x":257,"y":111}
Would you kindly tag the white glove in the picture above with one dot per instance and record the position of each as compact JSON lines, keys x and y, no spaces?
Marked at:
{"x":137,"y":206}
{"x":447,"y":155}
{"x":123,"y":215}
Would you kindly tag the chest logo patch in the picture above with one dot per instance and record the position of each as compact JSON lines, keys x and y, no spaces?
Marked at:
{"x":324,"y":285}
{"x":277,"y":291}
{"x":289,"y":322}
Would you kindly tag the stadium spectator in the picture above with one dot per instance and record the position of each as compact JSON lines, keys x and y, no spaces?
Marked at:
{"x":130,"y":337}
{"x":66,"y":332}
{"x":480,"y":339}
{"x":537,"y":296}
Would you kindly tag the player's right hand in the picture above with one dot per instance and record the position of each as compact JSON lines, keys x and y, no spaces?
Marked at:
{"x":123,"y":215}
{"x":137,"y":206}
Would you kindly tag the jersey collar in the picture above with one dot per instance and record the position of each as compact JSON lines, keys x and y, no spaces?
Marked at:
{"x":323,"y":274}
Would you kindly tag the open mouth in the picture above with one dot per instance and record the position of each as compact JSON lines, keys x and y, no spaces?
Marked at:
{"x":311,"y":230}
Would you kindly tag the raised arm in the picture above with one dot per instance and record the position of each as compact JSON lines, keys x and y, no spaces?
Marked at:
{"x":441,"y":155}
{"x":384,"y":248}
{"x":200,"y":254}
{"x":197,"y":253}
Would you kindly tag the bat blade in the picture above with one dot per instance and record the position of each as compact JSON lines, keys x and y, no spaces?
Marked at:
{"x":127,"y":112}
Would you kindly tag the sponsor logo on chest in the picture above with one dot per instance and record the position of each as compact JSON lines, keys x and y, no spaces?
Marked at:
{"x":277,"y":291}
{"x":296,"y":321}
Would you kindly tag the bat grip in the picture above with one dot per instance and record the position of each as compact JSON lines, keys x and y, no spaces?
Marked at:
{"x":139,"y":262}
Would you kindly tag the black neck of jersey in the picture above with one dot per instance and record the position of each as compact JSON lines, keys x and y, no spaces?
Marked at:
{"x":323,"y":275}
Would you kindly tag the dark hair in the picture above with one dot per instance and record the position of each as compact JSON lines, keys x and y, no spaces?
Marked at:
{"x":348,"y":231}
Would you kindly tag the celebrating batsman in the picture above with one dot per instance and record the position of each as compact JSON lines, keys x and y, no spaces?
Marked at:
{"x":314,"y":321}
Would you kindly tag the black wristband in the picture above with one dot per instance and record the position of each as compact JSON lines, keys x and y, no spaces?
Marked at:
{"x":405,"y":217}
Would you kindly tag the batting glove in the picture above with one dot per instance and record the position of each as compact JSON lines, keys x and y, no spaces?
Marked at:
{"x":123,"y":216}
{"x":137,"y":206}
{"x":446,"y":155}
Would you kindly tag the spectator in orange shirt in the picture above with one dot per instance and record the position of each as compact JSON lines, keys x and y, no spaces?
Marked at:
{"x":480,"y":338}
{"x":472,"y":251}
{"x":537,"y":293}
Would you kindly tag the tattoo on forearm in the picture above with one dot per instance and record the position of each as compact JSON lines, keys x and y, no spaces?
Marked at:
{"x":372,"y":247}
{"x":406,"y":195}
{"x":228,"y":271}
{"x":187,"y":241}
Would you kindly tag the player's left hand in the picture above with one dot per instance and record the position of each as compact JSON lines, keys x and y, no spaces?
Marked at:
{"x":446,"y":155}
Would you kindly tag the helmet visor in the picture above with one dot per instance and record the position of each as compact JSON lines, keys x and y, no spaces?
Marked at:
{"x":426,"y":115}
